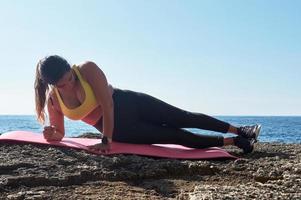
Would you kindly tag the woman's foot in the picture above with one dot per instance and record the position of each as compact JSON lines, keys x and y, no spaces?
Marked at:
{"x":247,"y":145}
{"x":249,"y":132}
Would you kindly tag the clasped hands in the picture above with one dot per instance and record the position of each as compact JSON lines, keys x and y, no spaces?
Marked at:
{"x":51,"y":134}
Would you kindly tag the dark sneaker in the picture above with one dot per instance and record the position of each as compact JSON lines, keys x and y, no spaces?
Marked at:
{"x":249,"y":132}
{"x":247,"y":145}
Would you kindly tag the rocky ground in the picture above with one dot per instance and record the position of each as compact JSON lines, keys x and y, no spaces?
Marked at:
{"x":272,"y":171}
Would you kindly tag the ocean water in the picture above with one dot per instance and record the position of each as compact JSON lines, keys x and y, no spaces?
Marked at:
{"x":274,"y":128}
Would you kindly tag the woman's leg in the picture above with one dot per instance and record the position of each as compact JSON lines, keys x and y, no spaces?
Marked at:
{"x":130,"y":127}
{"x":144,"y":133}
{"x":158,"y":112}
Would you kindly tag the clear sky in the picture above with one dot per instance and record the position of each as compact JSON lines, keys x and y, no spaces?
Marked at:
{"x":216,"y":57}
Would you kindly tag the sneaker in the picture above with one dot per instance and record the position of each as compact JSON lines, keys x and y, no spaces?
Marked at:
{"x":249,"y":132}
{"x":247,"y":145}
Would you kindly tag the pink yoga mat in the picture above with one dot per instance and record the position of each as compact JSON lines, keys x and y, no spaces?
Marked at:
{"x":156,"y":150}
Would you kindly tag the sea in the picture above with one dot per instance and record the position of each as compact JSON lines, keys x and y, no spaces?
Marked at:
{"x":283,"y":129}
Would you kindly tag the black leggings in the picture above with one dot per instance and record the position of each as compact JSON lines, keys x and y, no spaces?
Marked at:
{"x":143,"y":119}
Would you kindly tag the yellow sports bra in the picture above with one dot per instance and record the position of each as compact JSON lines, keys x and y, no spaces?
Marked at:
{"x":86,"y":107}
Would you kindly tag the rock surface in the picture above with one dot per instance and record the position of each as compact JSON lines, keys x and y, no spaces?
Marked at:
{"x":272,"y":171}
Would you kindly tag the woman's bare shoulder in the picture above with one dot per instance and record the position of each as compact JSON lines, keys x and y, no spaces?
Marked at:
{"x":88,"y":69}
{"x":87,"y":66}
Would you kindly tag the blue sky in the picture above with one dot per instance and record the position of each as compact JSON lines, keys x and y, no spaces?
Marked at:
{"x":215,"y":57}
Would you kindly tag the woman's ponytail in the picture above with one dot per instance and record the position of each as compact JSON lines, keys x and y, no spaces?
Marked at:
{"x":41,"y":89}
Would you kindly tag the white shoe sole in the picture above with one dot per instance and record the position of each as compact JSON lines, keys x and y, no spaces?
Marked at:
{"x":257,"y":131}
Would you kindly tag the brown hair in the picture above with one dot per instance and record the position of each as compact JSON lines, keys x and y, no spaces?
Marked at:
{"x":49,"y":70}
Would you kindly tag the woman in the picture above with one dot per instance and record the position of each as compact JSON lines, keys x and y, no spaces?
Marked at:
{"x":83,"y":93}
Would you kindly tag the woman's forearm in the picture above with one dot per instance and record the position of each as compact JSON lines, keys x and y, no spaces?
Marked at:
{"x":108,"y":122}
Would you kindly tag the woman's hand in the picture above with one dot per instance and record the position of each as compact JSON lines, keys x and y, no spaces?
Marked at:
{"x":104,"y":146}
{"x":51,"y":134}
